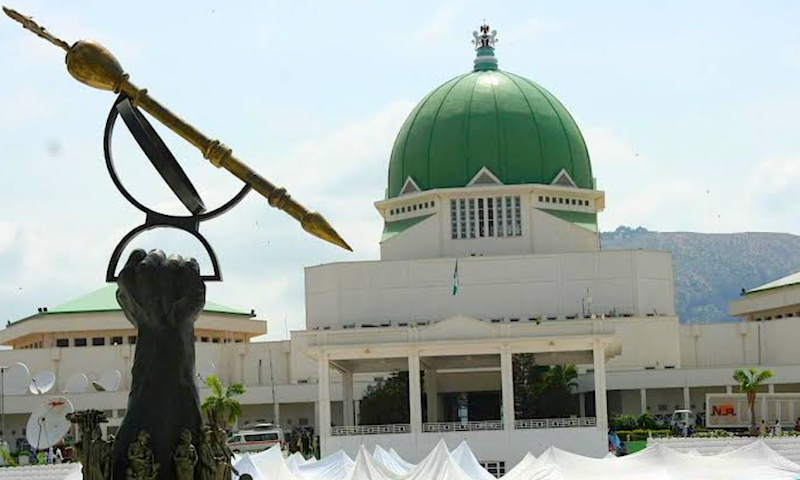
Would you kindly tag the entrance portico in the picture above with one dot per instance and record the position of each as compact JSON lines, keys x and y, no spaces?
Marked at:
{"x":461,"y":344}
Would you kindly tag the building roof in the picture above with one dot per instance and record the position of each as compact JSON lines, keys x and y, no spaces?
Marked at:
{"x":584,"y":220}
{"x":488,"y":118}
{"x":105,"y":300}
{"x":391,"y":229}
{"x":789,"y":280}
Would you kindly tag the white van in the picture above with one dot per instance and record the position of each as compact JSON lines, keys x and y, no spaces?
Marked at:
{"x":682,"y":421}
{"x":255,"y":439}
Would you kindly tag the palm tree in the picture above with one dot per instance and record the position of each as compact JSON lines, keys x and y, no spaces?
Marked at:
{"x":749,"y":383}
{"x":563,"y":378}
{"x":221,"y":407}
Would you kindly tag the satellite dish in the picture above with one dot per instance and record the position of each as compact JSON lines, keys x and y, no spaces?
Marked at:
{"x":16,"y":379}
{"x":204,"y":371}
{"x":48,"y":424}
{"x":108,"y":382}
{"x":77,"y":383}
{"x":42,"y":382}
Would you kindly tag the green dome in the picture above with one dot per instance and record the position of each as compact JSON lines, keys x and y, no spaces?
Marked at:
{"x":488,"y":118}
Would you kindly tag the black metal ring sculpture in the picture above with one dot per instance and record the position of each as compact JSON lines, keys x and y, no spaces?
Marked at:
{"x":172,"y":173}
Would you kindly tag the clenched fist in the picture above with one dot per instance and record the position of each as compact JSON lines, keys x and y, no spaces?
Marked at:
{"x":156,"y":291}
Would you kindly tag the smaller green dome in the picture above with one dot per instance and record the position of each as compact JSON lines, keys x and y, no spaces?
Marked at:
{"x":488,"y":118}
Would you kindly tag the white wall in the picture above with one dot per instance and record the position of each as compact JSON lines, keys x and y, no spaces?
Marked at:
{"x":760,"y":303}
{"x":541,"y":232}
{"x":636,"y":282}
{"x":550,"y":234}
{"x":771,"y":342}
{"x":423,"y":240}
{"x":647,"y":342}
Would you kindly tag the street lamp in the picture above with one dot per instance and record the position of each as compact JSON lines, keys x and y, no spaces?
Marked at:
{"x":3,"y":369}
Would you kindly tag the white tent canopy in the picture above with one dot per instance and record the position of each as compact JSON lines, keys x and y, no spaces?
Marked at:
{"x":465,"y":459}
{"x":755,"y":461}
{"x":399,"y":459}
{"x":393,"y":463}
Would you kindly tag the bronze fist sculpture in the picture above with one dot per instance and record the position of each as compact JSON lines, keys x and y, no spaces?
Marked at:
{"x":162,"y":297}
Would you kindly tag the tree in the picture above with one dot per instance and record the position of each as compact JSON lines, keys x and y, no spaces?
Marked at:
{"x":556,"y":396}
{"x":542,"y":391}
{"x":386,"y":402}
{"x":527,"y":375}
{"x":221,"y":407}
{"x":749,"y":383}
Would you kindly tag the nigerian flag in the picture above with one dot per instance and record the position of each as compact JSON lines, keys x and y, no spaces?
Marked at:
{"x":455,"y":279}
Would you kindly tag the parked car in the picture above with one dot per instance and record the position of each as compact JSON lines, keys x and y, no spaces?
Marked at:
{"x":256,"y":438}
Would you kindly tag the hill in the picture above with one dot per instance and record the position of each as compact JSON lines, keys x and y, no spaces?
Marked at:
{"x":712,"y":268}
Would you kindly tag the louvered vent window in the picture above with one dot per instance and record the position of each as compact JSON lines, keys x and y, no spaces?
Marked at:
{"x":486,"y":217}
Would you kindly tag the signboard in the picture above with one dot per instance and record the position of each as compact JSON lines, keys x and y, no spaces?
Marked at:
{"x":730,"y":410}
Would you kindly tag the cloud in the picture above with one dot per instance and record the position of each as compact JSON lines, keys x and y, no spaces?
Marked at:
{"x":343,"y":155}
{"x":69,"y":27}
{"x":642,"y":191}
{"x":525,"y":32}
{"x":656,"y":194}
{"x":771,"y":192}
{"x":44,"y":264}
{"x":30,"y":105}
{"x":610,"y":150}
{"x":775,"y":178}
{"x":437,"y":28}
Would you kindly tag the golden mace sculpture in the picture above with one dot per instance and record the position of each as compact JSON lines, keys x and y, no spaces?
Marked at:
{"x":94,"y":65}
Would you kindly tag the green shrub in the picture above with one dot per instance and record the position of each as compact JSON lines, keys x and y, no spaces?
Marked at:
{"x":647,"y":421}
{"x":625,"y":422}
{"x":642,"y":434}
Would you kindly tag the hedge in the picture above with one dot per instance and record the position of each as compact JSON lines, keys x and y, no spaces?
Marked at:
{"x":641,"y":434}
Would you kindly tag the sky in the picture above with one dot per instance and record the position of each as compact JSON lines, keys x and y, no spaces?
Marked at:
{"x":690,"y":111}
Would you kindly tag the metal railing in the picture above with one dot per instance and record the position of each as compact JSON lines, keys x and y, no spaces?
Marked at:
{"x":462,"y":426}
{"x":441,"y":427}
{"x":343,"y":430}
{"x":555,"y":423}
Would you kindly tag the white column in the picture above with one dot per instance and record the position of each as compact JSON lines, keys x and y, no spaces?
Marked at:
{"x":728,"y":389}
{"x":357,"y":412}
{"x":276,"y":412}
{"x":582,"y":404}
{"x":600,"y":402}
{"x":414,"y":392}
{"x":771,"y":388}
{"x":324,"y":397}
{"x":347,"y":399}
{"x":687,"y":398}
{"x":643,"y":400}
{"x":507,"y":381}
{"x":432,"y":395}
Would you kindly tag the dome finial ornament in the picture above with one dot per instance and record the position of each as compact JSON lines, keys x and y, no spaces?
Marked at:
{"x":484,"y":41}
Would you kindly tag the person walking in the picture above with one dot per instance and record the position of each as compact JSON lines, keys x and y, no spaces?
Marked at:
{"x":778,"y":430}
{"x":762,"y":429}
